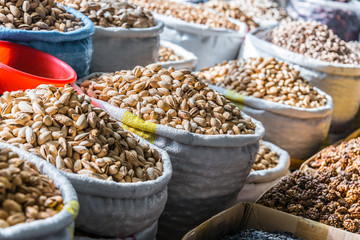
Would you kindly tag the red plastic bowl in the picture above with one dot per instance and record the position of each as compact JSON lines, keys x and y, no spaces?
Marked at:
{"x":23,"y":67}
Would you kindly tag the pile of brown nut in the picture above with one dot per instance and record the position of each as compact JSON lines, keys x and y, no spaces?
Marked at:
{"x":265,"y":159}
{"x":70,"y":133}
{"x":263,"y":10}
{"x":166,"y":54}
{"x":26,"y":195}
{"x":194,"y":14}
{"x":176,"y":99}
{"x":267,"y":78}
{"x":328,"y":192}
{"x":314,"y":40}
{"x":355,"y":47}
{"x":37,"y":15}
{"x":232,"y":9}
{"x":113,"y":13}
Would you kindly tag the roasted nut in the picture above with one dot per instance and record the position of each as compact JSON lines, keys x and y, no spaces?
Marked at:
{"x":314,"y":40}
{"x":264,"y":78}
{"x":166,"y":54}
{"x":76,"y":137}
{"x":195,"y":14}
{"x":232,"y":9}
{"x":112,"y":13}
{"x":265,"y":159}
{"x":35,"y":15}
{"x":24,"y":190}
{"x":173,"y":98}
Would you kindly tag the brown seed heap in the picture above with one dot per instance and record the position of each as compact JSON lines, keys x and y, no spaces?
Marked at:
{"x":166,"y":54}
{"x":263,"y":10}
{"x":70,"y":133}
{"x":329,"y":197}
{"x":355,"y":47}
{"x":232,"y":9}
{"x":267,"y":78}
{"x":194,"y":14}
{"x":265,"y":159}
{"x":173,"y":98}
{"x":314,"y":40}
{"x":26,"y":195}
{"x":37,"y":15}
{"x":112,"y":13}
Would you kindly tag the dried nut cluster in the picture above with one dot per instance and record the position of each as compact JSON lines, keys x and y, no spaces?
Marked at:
{"x":232,"y":9}
{"x":173,"y":98}
{"x":329,"y":197}
{"x":166,"y":54}
{"x":263,"y":10}
{"x":112,"y":13}
{"x":26,"y":195}
{"x":37,"y":15}
{"x":188,"y":13}
{"x":355,"y":47}
{"x":265,"y":159}
{"x":314,"y":40}
{"x":268,"y":79}
{"x":70,"y":133}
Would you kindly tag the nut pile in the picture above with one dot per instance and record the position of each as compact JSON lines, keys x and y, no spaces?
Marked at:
{"x":268,"y":79}
{"x":112,"y":13}
{"x":194,"y":14}
{"x":26,"y":195}
{"x":263,"y":10}
{"x":314,"y":40}
{"x":173,"y":98}
{"x":166,"y":54}
{"x":232,"y":9}
{"x":37,"y":15}
{"x":265,"y":159}
{"x":329,"y":197}
{"x":65,"y":129}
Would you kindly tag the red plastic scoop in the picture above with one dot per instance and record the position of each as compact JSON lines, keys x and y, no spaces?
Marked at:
{"x":23,"y":67}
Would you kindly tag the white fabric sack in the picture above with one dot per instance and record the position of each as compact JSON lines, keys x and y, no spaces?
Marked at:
{"x":57,"y":227}
{"x":112,"y":209}
{"x":189,"y":59}
{"x":209,"y":170}
{"x":259,"y":181}
{"x":340,"y":81}
{"x":147,"y":234}
{"x":299,"y":131}
{"x":117,"y":48}
{"x":210,"y":45}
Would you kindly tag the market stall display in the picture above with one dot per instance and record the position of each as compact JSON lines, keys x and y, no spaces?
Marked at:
{"x":166,"y":54}
{"x":296,"y":115}
{"x":125,"y":35}
{"x":175,"y":56}
{"x":331,"y":65}
{"x":63,"y":127}
{"x":212,"y":37}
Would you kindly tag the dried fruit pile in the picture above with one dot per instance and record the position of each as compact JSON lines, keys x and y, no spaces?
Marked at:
{"x":37,"y":15}
{"x":268,"y":79}
{"x":314,"y":40}
{"x":232,"y":9}
{"x":265,"y":159}
{"x":195,"y":14}
{"x":166,"y":54}
{"x":26,"y":195}
{"x":70,"y":133}
{"x":173,"y":98}
{"x":112,"y":13}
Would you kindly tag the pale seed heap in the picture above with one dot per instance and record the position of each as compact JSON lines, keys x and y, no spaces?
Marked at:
{"x":166,"y":54}
{"x":113,"y":13}
{"x":173,"y":98}
{"x":26,"y":195}
{"x":314,"y":40}
{"x":265,"y":159}
{"x":232,"y":9}
{"x":195,"y":14}
{"x":37,"y":15}
{"x":268,"y":79}
{"x":70,"y":133}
